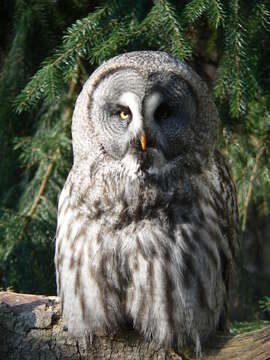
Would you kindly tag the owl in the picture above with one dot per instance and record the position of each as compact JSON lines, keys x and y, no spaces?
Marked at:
{"x":146,"y":230}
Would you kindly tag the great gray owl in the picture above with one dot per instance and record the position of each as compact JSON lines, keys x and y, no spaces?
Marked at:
{"x":147,"y":216}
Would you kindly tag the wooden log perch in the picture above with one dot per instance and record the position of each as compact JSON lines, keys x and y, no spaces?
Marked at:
{"x":31,"y":328}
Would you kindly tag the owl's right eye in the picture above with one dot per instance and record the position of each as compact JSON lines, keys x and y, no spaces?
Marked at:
{"x":125,"y":114}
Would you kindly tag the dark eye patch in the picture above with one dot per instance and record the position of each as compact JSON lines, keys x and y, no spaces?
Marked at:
{"x":176,"y":93}
{"x":115,"y":109}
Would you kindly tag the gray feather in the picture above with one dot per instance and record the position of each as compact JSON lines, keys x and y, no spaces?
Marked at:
{"x":146,"y":236}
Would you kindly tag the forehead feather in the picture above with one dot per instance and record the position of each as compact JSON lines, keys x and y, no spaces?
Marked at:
{"x":147,"y":62}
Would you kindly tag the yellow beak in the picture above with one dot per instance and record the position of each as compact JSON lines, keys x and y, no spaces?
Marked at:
{"x":143,"y":141}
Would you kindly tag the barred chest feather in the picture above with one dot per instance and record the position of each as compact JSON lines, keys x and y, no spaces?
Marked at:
{"x":147,"y":217}
{"x":143,"y":253}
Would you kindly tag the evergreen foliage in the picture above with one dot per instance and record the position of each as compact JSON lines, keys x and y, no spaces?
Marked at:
{"x":43,"y":68}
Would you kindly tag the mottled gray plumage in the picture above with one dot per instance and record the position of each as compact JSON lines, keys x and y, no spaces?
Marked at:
{"x":146,"y":237}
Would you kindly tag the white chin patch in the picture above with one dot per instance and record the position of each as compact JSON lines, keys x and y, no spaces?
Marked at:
{"x":131,"y":166}
{"x":155,"y":163}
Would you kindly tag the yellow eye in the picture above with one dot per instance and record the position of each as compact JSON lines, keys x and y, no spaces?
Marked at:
{"x":124,"y":115}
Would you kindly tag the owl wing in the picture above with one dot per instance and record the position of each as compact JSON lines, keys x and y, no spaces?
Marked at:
{"x":227,"y":211}
{"x":230,"y":209}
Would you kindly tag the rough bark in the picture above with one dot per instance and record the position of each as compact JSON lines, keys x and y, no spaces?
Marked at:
{"x":31,"y":328}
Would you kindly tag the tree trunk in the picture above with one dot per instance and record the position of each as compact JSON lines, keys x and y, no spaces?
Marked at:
{"x":31,"y":328}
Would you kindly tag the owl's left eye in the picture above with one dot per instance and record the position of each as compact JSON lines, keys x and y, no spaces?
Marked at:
{"x":125,"y":114}
{"x":162,"y":112}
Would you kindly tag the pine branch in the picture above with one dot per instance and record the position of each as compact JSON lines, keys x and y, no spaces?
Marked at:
{"x":38,"y":196}
{"x":117,"y":39}
{"x":163,"y":29}
{"x":48,"y":172}
{"x":194,"y":10}
{"x":182,"y":50}
{"x":78,"y":41}
{"x":42,"y":186}
{"x":216,"y":13}
{"x":234,"y":68}
{"x":237,"y":45}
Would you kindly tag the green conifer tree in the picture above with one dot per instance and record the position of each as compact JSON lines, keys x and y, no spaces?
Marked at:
{"x":44,"y":67}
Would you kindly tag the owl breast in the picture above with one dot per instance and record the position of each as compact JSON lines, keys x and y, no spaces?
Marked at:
{"x":147,"y":217}
{"x":144,"y":249}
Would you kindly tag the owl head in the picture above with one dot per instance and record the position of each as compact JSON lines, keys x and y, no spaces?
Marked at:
{"x":148,"y":106}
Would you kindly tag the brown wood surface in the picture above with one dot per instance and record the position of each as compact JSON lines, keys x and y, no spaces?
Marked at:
{"x":31,"y":328}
